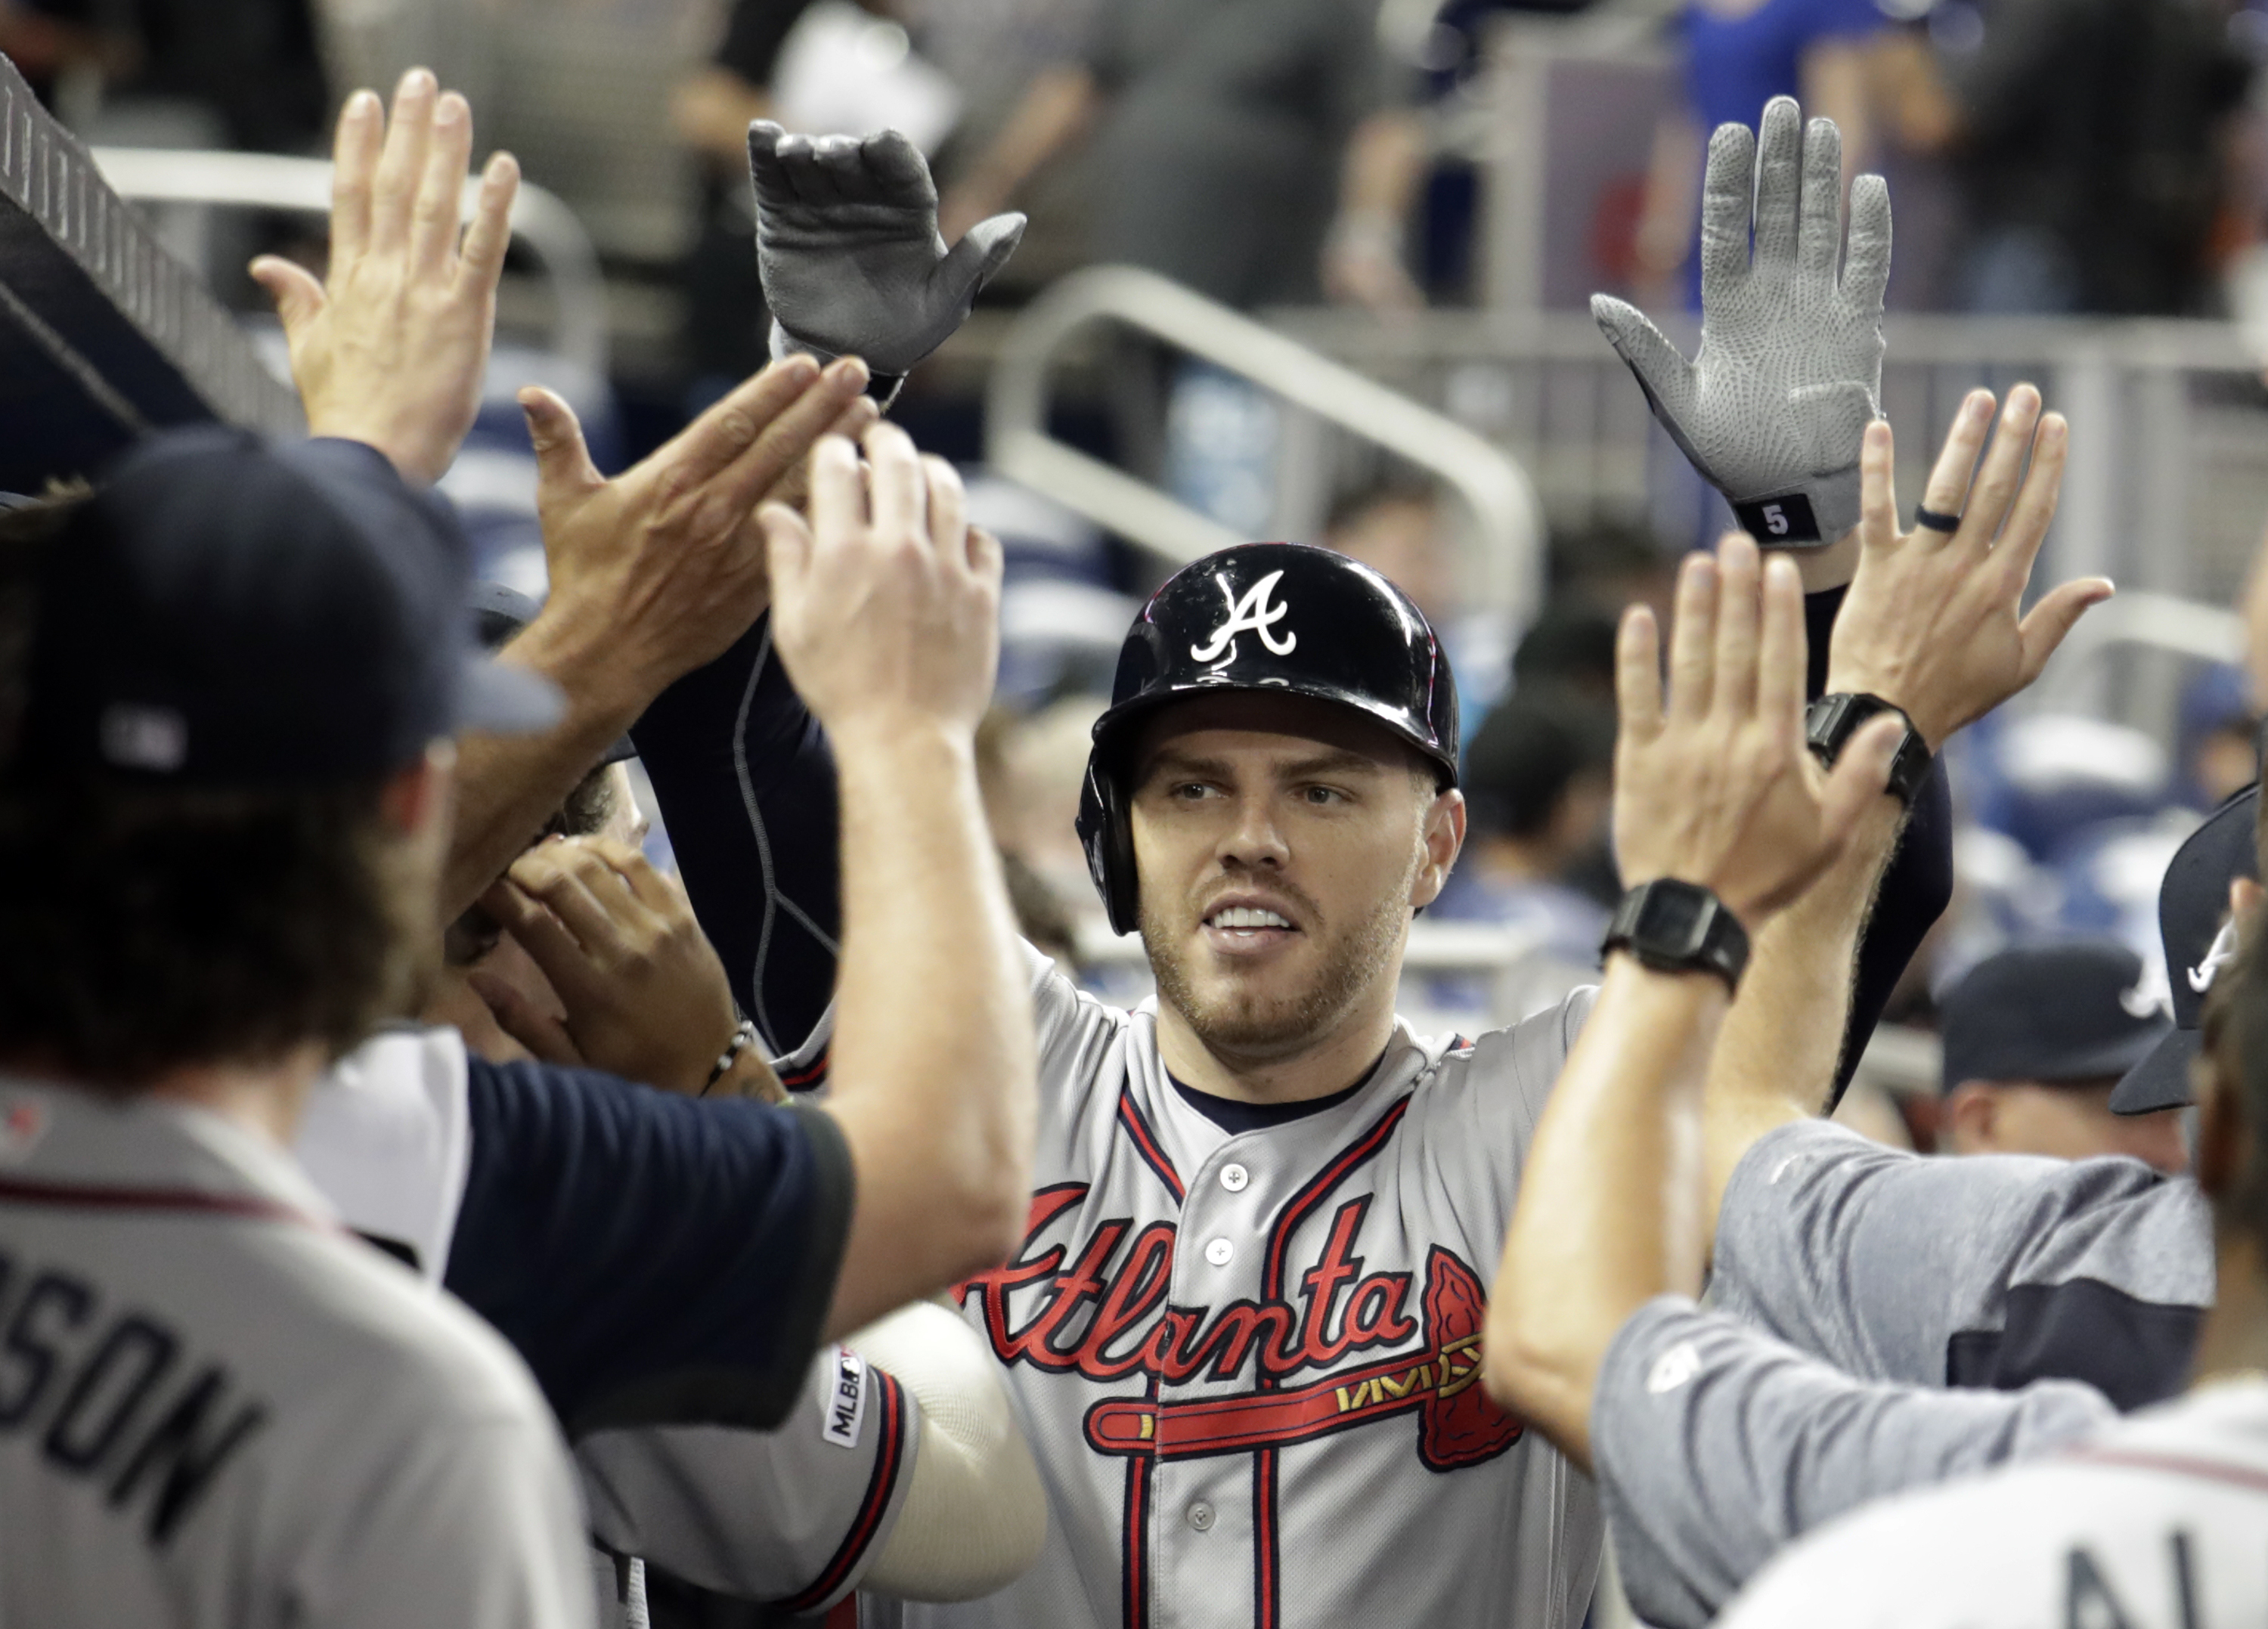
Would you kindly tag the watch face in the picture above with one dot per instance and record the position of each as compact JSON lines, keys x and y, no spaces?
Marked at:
{"x":1675,"y":919}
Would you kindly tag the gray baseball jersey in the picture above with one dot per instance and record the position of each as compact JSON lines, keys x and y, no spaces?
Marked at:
{"x":1248,"y":1364}
{"x":217,"y":1408}
{"x":1716,"y":1446}
{"x":2161,"y":1522}
{"x":791,"y":1516}
{"x":1987,"y":1270}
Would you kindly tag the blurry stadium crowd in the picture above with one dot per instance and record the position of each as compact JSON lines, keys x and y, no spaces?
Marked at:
{"x":752,"y":807}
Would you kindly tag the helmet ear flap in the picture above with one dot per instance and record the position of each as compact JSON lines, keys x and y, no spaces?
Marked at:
{"x":1108,"y":835}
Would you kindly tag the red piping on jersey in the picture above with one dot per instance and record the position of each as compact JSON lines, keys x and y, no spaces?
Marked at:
{"x":1136,"y":1567}
{"x":880,"y":1483}
{"x":1267,"y":1565}
{"x":2178,"y":1464}
{"x":810,"y":1074}
{"x":1145,"y":1142}
{"x":249,"y":1207}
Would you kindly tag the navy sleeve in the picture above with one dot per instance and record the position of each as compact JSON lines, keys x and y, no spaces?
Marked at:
{"x":1915,"y":889}
{"x":746,"y":787}
{"x":654,"y":1259}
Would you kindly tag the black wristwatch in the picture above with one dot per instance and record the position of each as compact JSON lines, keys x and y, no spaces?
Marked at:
{"x":1832,"y":720}
{"x":1680,"y":927}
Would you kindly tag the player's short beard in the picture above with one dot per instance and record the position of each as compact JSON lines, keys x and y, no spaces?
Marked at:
{"x":1242,"y":1024}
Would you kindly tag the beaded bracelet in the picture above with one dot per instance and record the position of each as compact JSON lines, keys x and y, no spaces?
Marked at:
{"x":743,"y":1038}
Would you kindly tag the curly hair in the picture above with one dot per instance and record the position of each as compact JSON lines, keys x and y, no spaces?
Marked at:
{"x":146,"y":928}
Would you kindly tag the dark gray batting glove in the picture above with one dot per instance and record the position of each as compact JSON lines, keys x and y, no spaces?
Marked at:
{"x":848,"y":251}
{"x":1790,"y":373}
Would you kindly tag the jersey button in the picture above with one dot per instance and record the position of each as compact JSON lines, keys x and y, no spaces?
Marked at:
{"x":1201,"y":1516}
{"x":1236,"y":1178}
{"x":1220,"y":1253}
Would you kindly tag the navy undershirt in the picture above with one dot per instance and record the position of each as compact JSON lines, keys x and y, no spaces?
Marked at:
{"x":1234,"y":1115}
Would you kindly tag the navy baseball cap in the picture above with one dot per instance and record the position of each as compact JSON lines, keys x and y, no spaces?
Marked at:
{"x":2055,"y":1013}
{"x":498,"y":615}
{"x":225,"y":611}
{"x":2192,"y":912}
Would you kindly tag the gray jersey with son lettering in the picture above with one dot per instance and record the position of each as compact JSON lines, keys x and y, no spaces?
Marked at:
{"x":217,"y":1408}
{"x":791,"y":1517}
{"x":1248,"y":1364}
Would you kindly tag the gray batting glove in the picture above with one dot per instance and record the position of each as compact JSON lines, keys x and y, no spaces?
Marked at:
{"x":1774,"y":409}
{"x":848,"y":251}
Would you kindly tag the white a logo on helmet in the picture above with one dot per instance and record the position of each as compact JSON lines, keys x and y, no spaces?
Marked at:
{"x":2224,"y":950}
{"x":1253,"y":614}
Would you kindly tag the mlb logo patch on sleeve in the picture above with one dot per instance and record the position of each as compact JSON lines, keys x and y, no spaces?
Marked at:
{"x":843,"y":1407}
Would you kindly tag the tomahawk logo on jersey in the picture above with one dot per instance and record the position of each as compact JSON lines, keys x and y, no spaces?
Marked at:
{"x":1250,"y":1362}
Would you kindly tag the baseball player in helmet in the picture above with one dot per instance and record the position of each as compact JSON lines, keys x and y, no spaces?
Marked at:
{"x":1243,"y":1328}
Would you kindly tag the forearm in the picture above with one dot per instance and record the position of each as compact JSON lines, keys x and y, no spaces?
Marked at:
{"x":1054,"y":113}
{"x":712,"y":110}
{"x":933,"y":1055}
{"x":1385,"y":157}
{"x":976,"y":1514}
{"x":2255,"y":628}
{"x":508,"y":787}
{"x":1608,"y":1202}
{"x":1776,"y":1060}
{"x":746,"y":781}
{"x":1833,"y":74}
{"x":1672,"y":193}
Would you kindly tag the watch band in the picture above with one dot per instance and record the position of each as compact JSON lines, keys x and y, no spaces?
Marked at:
{"x":1830,"y":723}
{"x":1679,"y":927}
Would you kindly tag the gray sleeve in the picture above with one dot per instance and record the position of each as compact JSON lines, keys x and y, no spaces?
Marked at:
{"x":1874,"y":1259}
{"x":1714,"y":1446}
{"x":474,"y":1525}
{"x":791,"y":1515}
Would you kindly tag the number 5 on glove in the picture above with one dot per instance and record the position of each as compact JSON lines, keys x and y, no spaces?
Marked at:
{"x":1776,"y":405}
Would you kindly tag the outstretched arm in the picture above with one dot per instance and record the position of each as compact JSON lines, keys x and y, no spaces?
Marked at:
{"x":1931,"y":625}
{"x":1717,"y":794}
{"x":653,"y":573}
{"x":390,"y":347}
{"x":887,"y":615}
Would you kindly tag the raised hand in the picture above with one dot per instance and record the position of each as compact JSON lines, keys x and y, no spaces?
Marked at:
{"x":656,"y":573}
{"x":1717,"y":786}
{"x":847,"y":244}
{"x":886,"y":602}
{"x":391,"y":348}
{"x":1774,"y":407}
{"x":1931,"y":619}
{"x":646,"y":997}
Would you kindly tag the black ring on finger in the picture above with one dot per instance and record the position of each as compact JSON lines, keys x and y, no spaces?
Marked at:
{"x":1924,"y":515}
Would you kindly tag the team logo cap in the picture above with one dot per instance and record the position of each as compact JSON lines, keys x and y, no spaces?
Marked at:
{"x":2074,"y":1011}
{"x":1293,"y":618}
{"x":2193,"y":919}
{"x":1286,"y":618}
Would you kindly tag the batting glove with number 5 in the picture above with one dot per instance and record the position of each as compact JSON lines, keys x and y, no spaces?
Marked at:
{"x":1776,"y":405}
{"x":848,"y":251}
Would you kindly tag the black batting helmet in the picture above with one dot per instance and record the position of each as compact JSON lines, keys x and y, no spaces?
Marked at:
{"x":1285,"y":618}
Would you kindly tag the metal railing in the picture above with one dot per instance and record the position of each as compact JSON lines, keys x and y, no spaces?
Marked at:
{"x":2186,"y":629}
{"x":2166,"y":491}
{"x":543,"y":224}
{"x":1504,"y":536}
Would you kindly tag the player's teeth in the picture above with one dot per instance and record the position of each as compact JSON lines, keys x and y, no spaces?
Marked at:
{"x":1247,"y":916}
